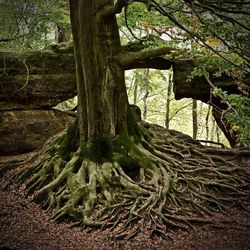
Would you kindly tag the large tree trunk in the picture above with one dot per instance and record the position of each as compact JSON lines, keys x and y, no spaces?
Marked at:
{"x":100,"y":80}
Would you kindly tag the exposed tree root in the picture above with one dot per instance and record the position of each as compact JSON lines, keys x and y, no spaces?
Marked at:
{"x":168,"y":181}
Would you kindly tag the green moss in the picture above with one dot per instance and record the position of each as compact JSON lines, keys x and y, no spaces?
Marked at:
{"x":128,"y":163}
{"x":146,"y":145}
{"x":122,"y":145}
{"x":133,"y":128}
{"x":98,"y":149}
{"x":146,"y":134}
{"x":68,"y":143}
{"x":77,"y":164}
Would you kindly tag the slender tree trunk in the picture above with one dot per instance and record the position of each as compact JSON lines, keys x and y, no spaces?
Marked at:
{"x":212,"y":130}
{"x":194,"y":115}
{"x":145,"y":105}
{"x":217,"y":134}
{"x":60,"y":33}
{"x":145,"y":97}
{"x":135,"y":89}
{"x":207,"y":122}
{"x":170,"y":85}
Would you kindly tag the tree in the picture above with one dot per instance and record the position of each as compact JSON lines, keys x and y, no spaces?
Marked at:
{"x":169,"y":81}
{"x":109,"y":170}
{"x":194,"y":116}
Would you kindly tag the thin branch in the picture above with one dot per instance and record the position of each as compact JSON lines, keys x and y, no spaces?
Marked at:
{"x":27,"y":78}
{"x":222,"y":16}
{"x":194,"y":35}
{"x":129,"y":29}
{"x":162,"y":11}
{"x":220,"y":38}
{"x":178,"y":110}
{"x":227,"y":10}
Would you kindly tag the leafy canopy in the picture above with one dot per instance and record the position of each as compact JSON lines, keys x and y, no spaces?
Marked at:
{"x":31,"y":24}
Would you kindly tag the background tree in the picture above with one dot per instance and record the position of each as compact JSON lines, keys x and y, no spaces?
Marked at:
{"x":194,"y":116}
{"x":108,"y":170}
{"x":170,"y":85}
{"x":33,"y":24}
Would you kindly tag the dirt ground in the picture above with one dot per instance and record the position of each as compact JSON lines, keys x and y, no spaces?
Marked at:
{"x":24,"y":225}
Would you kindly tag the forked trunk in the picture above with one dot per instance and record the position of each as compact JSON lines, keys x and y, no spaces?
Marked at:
{"x":101,"y":87}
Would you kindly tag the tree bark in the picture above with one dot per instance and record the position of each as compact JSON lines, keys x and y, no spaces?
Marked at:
{"x":101,"y":87}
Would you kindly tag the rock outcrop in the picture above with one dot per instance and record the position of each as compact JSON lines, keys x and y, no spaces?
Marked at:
{"x":42,"y":79}
{"x":23,"y":131}
{"x":38,"y":79}
{"x":32,"y":83}
{"x":198,"y":88}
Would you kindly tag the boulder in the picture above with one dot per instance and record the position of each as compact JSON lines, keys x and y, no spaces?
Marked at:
{"x":37,"y":79}
{"x":26,"y":130}
{"x":198,"y":88}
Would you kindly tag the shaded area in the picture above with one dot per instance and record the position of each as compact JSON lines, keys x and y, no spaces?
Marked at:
{"x":42,"y":79}
{"x":37,"y":79}
{"x":24,"y":225}
{"x":198,"y":88}
{"x":26,"y":130}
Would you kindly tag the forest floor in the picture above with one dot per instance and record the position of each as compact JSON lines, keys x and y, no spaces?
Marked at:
{"x":24,"y":225}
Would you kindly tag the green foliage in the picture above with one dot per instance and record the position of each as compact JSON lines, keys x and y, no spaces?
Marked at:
{"x":68,"y":104}
{"x":156,"y":82}
{"x":214,"y":61}
{"x":238,"y":115}
{"x":31,"y":24}
{"x":67,"y":145}
{"x":139,"y":23}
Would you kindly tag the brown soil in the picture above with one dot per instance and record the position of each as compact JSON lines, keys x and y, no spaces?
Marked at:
{"x":24,"y":225}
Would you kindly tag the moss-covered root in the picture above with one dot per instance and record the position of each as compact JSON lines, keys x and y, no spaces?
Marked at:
{"x":168,"y":187}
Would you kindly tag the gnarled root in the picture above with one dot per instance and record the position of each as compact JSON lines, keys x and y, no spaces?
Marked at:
{"x":173,"y":184}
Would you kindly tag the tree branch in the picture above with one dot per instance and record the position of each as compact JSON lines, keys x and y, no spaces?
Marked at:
{"x":129,"y":60}
{"x":153,"y":63}
{"x":109,"y":10}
